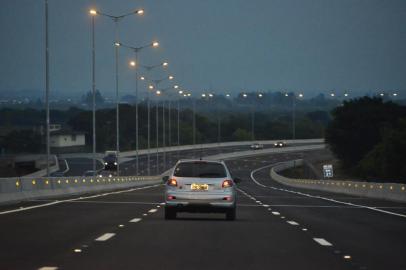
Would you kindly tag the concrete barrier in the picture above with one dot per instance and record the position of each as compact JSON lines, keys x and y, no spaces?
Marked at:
{"x":43,"y":172}
{"x":20,"y":189}
{"x":386,"y":191}
{"x":191,"y":147}
{"x":250,"y":153}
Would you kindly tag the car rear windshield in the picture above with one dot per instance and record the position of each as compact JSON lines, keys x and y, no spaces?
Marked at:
{"x":200,"y":169}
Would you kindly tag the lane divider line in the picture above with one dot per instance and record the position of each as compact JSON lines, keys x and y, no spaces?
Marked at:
{"x":48,"y":268}
{"x":105,"y":237}
{"x":323,"y":242}
{"x":152,"y":210}
{"x":135,"y":220}
{"x":320,"y":197}
{"x":291,"y":222}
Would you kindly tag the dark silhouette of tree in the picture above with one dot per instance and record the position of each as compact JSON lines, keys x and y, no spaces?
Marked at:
{"x":387,"y":159}
{"x":22,"y":141}
{"x":357,"y":127}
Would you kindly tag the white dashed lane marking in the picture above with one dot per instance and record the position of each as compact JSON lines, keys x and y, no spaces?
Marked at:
{"x":320,"y":197}
{"x":105,"y":237}
{"x":152,"y":210}
{"x":323,"y":242}
{"x":48,"y":268}
{"x":291,"y":222}
{"x":276,"y":213}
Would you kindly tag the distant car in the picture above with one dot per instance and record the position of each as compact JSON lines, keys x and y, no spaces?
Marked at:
{"x":256,"y":146}
{"x":200,"y":186}
{"x":110,"y":161}
{"x":279,"y":144}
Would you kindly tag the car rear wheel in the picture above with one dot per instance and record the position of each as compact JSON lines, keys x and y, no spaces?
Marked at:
{"x":170,"y":213}
{"x":231,"y":214}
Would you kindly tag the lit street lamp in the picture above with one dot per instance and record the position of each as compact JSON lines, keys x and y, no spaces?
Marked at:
{"x":159,"y":92}
{"x":300,"y":95}
{"x":252,"y":119}
{"x":150,"y":87}
{"x":136,"y":50}
{"x":116,"y":20}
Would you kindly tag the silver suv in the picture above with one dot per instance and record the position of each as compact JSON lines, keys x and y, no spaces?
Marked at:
{"x":200,"y":186}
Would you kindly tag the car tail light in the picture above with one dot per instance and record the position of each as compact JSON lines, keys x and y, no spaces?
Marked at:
{"x":171,"y":197}
{"x":172,"y":182}
{"x":227,"y":183}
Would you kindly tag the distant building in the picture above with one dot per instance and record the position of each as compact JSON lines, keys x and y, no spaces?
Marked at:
{"x":66,"y":138}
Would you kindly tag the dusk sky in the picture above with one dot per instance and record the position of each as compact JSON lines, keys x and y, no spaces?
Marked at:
{"x":224,"y":45}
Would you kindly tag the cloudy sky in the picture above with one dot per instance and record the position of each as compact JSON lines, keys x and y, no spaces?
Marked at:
{"x":226,"y":46}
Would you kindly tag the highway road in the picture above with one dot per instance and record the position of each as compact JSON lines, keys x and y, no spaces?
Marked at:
{"x":276,"y":228}
{"x":77,"y":166}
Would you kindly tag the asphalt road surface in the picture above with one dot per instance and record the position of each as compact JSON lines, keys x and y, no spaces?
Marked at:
{"x":277,"y":227}
{"x":77,"y":166}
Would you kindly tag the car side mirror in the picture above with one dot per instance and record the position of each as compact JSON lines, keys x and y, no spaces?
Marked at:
{"x":237,"y":180}
{"x":165,"y":178}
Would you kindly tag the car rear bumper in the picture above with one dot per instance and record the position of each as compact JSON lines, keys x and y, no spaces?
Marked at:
{"x":203,"y":202}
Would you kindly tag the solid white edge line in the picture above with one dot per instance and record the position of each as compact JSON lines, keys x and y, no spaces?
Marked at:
{"x":321,"y":198}
{"x":323,"y":242}
{"x":105,"y":237}
{"x":71,"y":200}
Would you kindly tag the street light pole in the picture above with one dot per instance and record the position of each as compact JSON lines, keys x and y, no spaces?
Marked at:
{"x":180,"y":92}
{"x":136,"y":64}
{"x":294,"y":116}
{"x":218,"y":127}
{"x":116,"y":20}
{"x":158,"y":92}
{"x":150,"y":87}
{"x":136,"y":115}
{"x":157,"y":136}
{"x":149,"y":134}
{"x":194,"y":122}
{"x":117,"y":97}
{"x":163,"y":134}
{"x":48,"y":149}
{"x":94,"y":95}
{"x":169,"y":131}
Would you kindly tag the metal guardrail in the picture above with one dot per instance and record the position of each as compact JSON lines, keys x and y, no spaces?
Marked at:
{"x":376,"y":190}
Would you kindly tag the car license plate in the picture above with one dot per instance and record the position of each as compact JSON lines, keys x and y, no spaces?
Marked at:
{"x":198,"y":187}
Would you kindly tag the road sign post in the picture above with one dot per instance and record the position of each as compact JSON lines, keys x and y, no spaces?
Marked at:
{"x":328,"y":171}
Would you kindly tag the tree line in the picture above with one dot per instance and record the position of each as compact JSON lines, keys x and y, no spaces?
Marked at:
{"x":234,"y":126}
{"x":368,"y":136}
